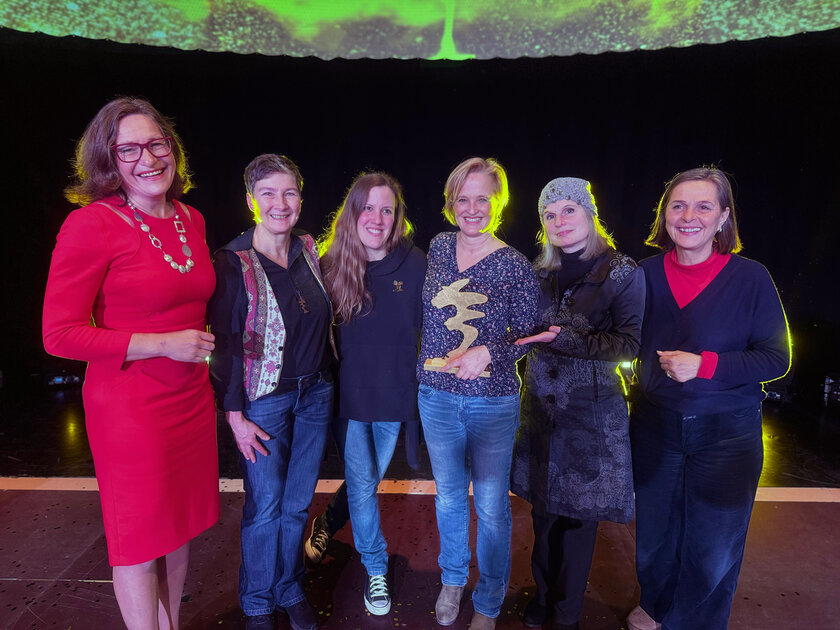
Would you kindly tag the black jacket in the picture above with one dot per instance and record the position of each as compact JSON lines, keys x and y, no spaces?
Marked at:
{"x":572,"y":453}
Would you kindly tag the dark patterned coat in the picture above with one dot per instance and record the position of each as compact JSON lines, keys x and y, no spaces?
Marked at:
{"x":572,"y":453}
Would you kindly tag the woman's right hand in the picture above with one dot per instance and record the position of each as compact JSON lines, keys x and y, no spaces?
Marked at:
{"x":246,"y":434}
{"x":678,"y":365}
{"x":546,"y":336}
{"x":468,"y":365}
{"x":189,"y":346}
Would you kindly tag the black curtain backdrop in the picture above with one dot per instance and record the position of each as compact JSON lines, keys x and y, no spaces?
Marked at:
{"x":765,"y":111}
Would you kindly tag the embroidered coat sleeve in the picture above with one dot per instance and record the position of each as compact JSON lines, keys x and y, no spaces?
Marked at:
{"x":80,"y":261}
{"x":226,"y":314}
{"x":620,"y":340}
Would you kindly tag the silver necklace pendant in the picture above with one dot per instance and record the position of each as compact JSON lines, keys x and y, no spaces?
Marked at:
{"x":156,"y":243}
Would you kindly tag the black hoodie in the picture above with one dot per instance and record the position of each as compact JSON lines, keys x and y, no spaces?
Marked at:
{"x":378,"y":349}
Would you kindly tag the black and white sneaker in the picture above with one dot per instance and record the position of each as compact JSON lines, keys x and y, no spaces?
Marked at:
{"x":377,"y":598}
{"x":316,"y":545}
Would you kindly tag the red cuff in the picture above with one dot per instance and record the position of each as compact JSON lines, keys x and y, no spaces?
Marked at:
{"x":708,"y":364}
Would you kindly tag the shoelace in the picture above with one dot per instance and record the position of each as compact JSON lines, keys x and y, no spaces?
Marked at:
{"x":378,"y":586}
{"x":320,"y":539}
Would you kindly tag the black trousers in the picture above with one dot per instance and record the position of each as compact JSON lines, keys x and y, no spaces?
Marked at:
{"x":560,"y":561}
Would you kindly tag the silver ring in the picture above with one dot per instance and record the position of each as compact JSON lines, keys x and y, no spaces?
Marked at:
{"x":668,"y":374}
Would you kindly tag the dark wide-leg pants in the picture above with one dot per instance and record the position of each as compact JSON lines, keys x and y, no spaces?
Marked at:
{"x":695,"y":478}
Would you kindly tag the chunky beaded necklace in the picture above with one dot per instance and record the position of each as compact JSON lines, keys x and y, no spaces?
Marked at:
{"x":182,"y":235}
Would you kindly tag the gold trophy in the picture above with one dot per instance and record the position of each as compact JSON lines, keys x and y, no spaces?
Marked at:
{"x":451,"y":295}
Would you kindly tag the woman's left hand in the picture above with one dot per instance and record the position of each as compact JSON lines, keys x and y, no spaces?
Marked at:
{"x":546,"y":336}
{"x":470,"y":364}
{"x":679,"y":366}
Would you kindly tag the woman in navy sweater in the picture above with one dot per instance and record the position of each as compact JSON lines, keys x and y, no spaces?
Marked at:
{"x":374,"y":277}
{"x":714,"y":331}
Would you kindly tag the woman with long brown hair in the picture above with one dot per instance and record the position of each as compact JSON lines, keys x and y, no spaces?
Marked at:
{"x":374,"y":277}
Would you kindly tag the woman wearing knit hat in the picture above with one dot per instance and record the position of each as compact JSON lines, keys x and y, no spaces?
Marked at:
{"x":572,"y":453}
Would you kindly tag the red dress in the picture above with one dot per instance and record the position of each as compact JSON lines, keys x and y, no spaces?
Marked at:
{"x":151,"y":423}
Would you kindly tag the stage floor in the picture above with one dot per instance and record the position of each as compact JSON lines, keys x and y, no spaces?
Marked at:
{"x":54,"y":571}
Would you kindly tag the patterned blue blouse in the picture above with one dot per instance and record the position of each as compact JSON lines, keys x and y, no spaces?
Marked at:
{"x":506,"y":278}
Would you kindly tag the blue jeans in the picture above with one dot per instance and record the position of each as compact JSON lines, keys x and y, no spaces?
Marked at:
{"x":471,"y":438}
{"x":367,"y":453}
{"x":278,"y":491}
{"x":695,"y":478}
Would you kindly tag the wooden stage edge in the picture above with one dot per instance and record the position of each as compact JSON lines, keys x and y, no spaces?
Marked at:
{"x":389,"y":486}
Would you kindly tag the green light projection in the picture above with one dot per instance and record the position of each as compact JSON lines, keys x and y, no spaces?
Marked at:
{"x":430,"y":29}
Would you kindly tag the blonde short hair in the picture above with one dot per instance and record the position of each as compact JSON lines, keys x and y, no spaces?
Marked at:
{"x":456,"y":179}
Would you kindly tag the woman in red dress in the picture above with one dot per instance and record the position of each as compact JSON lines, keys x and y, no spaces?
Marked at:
{"x":127,"y":292}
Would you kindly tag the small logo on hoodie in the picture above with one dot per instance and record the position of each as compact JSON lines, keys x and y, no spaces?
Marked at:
{"x":398,"y":286}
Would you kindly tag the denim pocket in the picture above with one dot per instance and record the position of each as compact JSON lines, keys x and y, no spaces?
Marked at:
{"x":425,"y":391}
{"x":501,"y":401}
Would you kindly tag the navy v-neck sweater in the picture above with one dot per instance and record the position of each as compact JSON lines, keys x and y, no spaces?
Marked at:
{"x":738,"y":315}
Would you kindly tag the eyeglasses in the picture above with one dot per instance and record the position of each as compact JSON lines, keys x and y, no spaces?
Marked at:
{"x":133,"y":151}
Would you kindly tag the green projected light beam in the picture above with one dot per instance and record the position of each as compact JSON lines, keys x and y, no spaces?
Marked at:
{"x":429,"y":29}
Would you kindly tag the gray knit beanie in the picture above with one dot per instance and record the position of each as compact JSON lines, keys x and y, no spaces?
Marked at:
{"x":568,"y":188}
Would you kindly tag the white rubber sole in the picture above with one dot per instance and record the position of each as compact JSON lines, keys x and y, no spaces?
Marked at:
{"x":376,"y":611}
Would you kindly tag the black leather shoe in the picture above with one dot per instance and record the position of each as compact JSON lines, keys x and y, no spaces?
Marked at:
{"x":260,"y":622}
{"x":302,"y":616}
{"x":535,"y":614}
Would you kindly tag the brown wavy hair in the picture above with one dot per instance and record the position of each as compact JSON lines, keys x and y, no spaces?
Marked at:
{"x":343,"y":256}
{"x":727,"y":241}
{"x":95,"y":165}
